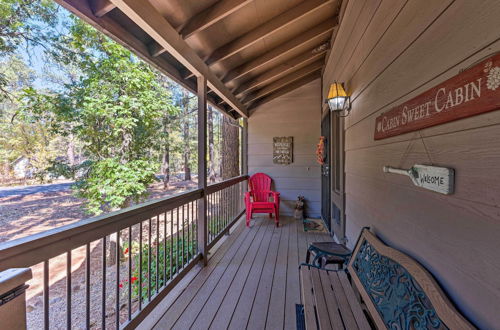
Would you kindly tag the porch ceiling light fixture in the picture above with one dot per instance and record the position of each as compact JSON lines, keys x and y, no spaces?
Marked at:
{"x":338,"y":100}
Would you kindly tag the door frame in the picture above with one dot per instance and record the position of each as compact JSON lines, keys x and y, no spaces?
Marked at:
{"x":325,"y":171}
{"x":337,"y":170}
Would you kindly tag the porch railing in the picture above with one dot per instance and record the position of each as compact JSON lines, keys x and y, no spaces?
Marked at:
{"x":112,"y":270}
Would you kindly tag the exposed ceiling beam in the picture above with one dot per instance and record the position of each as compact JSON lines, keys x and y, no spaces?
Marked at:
{"x":204,"y":20}
{"x":101,"y":7}
{"x":156,"y":50}
{"x":283,"y":69}
{"x":275,"y":24}
{"x":313,"y":67}
{"x":310,"y":37}
{"x":153,"y":23}
{"x":284,"y":90}
{"x":212,"y":15}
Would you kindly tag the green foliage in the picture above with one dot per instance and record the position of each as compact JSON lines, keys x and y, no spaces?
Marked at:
{"x":110,"y":184}
{"x":102,"y":116}
{"x":25,"y":120}
{"x":171,"y":253}
{"x":24,"y":22}
{"x":115,"y":110}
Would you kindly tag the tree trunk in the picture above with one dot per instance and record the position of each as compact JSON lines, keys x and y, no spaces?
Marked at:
{"x":211,"y":146}
{"x":71,"y":150}
{"x":185,"y":135}
{"x":230,"y":148}
{"x":165,"y":158}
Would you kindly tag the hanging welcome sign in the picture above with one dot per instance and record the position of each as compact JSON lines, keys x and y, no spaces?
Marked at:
{"x":472,"y":92}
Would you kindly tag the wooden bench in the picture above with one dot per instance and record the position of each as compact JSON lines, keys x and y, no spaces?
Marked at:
{"x":382,"y":288}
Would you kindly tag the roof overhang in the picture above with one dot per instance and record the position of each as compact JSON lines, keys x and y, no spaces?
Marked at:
{"x":249,"y":51}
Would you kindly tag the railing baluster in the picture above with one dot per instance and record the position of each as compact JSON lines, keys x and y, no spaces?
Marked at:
{"x":217,"y":221}
{"x":87,"y":286}
{"x":183,"y":238}
{"x":193,"y":235}
{"x":157,"y":268}
{"x":68,"y":289}
{"x":223,"y":202}
{"x":103,"y":302}
{"x":223,"y":205}
{"x":140,"y":265}
{"x":181,"y":243}
{"x":177,"y":254}
{"x":165,"y":249}
{"x":129,"y":305}
{"x":171,"y":242}
{"x":149,"y":259}
{"x":187,"y":237}
{"x":117,"y":284}
{"x":46,"y":294}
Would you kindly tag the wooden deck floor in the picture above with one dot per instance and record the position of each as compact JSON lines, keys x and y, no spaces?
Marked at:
{"x":251,"y":281}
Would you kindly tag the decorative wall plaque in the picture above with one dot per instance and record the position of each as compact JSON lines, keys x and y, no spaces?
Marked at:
{"x":438,"y":179}
{"x":283,"y":150}
{"x":471,"y":92}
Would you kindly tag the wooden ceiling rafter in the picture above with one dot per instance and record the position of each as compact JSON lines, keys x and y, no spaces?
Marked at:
{"x":273,"y":25}
{"x":203,"y":20}
{"x":312,"y":36}
{"x":147,"y":17}
{"x":268,"y":89}
{"x":278,"y":68}
{"x":285,"y":90}
{"x":208,"y":17}
{"x":101,"y":7}
{"x":282,"y":69}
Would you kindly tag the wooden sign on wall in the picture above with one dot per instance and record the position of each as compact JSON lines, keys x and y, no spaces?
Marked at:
{"x":283,"y":150}
{"x":438,"y":179}
{"x":471,"y":92}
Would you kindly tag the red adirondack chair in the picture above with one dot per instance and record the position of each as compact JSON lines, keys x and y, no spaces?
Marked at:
{"x":261,"y":199}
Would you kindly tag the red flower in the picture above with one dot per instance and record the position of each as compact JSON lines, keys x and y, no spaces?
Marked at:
{"x":121,"y":285}
{"x":126,"y":251}
{"x":133,"y":279}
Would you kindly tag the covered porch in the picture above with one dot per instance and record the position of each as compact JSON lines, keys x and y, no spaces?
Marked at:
{"x":271,"y":63}
{"x":251,"y":281}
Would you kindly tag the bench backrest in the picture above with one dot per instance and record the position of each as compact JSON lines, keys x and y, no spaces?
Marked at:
{"x":398,"y":292}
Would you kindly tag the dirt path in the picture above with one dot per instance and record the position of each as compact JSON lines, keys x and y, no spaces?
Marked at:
{"x":24,"y":215}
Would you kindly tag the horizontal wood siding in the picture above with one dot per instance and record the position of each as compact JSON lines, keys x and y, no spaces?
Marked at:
{"x":391,"y":51}
{"x":294,"y":114}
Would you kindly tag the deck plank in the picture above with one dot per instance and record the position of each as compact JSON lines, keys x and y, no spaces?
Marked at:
{"x":261,"y":302}
{"x":276,"y":309}
{"x":251,"y":282}
{"x":248,"y":272}
{"x":241,"y":313}
{"x":196,"y":305}
{"x":235,"y":274}
{"x":292,"y":289}
{"x":179,"y":305}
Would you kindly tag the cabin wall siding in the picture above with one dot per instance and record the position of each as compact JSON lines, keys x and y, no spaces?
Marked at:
{"x":388,"y":57}
{"x":295,"y":114}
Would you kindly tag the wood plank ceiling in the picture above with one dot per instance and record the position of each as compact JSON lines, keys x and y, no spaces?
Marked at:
{"x":251,"y":51}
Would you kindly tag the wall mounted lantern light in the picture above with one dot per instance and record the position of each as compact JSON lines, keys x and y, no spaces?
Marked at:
{"x":338,"y":100}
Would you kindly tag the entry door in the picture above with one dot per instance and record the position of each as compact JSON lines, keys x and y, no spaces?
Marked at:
{"x":337,"y":177}
{"x":325,"y":172}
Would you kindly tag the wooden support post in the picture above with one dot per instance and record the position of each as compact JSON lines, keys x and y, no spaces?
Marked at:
{"x":244,"y":148}
{"x":13,"y":297}
{"x":202,"y":167}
